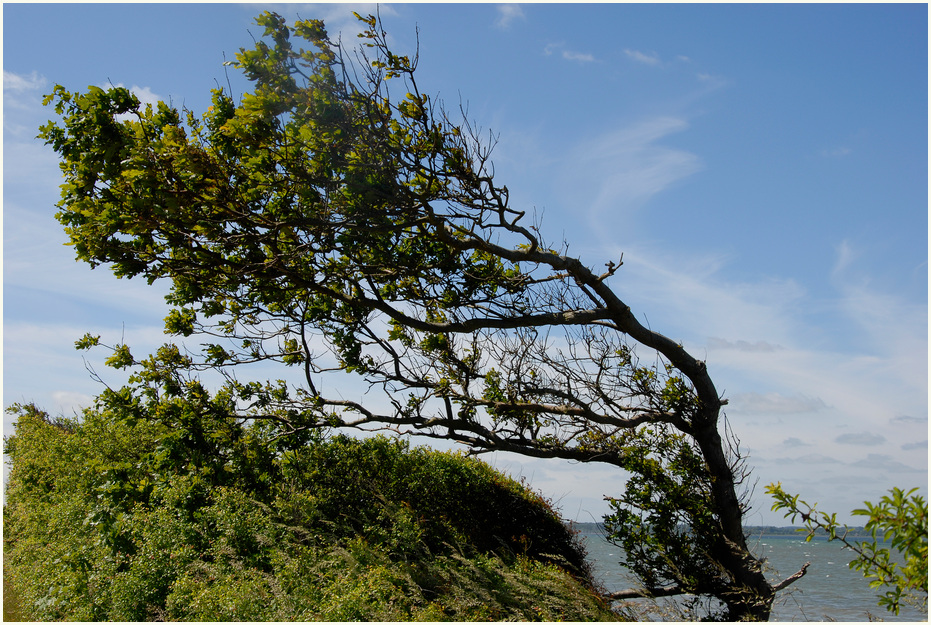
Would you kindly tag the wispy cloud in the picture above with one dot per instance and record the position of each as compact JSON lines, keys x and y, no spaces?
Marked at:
{"x":836,"y":152}
{"x":145,"y":95}
{"x":749,"y":318}
{"x":20,"y":83}
{"x":845,"y":256}
{"x":741,"y":345}
{"x":569,"y":55}
{"x":507,"y":14}
{"x":651,"y":59}
{"x":577,"y":56}
{"x":21,"y":101}
{"x":862,"y":394}
{"x":68,"y":402}
{"x":65,"y":384}
{"x":892,"y":328}
{"x":710,"y":82}
{"x":622,"y":169}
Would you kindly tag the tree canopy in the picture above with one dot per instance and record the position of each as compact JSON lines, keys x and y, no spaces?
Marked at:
{"x":338,"y":220}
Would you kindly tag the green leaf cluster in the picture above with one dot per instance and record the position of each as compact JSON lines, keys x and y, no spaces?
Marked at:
{"x":664,"y":520}
{"x":307,"y":189}
{"x":896,"y":557}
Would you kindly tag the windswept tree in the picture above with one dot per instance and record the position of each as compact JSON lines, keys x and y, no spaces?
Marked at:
{"x":338,"y":220}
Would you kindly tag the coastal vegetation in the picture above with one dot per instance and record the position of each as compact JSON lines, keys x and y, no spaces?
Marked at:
{"x":113,"y":516}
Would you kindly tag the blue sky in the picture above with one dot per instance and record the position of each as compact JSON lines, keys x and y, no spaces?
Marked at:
{"x":763,"y":169}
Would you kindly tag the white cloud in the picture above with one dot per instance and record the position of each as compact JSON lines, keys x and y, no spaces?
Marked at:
{"x":569,"y":55}
{"x":577,"y":56}
{"x":836,"y":152}
{"x":507,"y":13}
{"x":576,"y":489}
{"x":69,"y":402}
{"x":710,"y":80}
{"x":845,"y":257}
{"x":21,"y":107}
{"x":145,"y":95}
{"x":40,"y":262}
{"x":65,"y":384}
{"x":750,"y":320}
{"x":19,"y":83}
{"x":744,"y":346}
{"x":651,"y":59}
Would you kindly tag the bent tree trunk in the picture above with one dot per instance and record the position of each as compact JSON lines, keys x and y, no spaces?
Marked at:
{"x":744,"y":588}
{"x":752,"y":595}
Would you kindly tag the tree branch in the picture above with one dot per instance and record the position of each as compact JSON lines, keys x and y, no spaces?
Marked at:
{"x":791,"y":579}
{"x":647,"y":593}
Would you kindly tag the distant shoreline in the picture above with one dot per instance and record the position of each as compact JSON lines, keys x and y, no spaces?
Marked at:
{"x":752,"y":530}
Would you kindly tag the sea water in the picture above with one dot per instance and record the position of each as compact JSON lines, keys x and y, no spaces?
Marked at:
{"x":829,"y":591}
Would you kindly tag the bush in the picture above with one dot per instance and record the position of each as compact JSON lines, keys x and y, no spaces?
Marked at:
{"x":452,"y":499}
{"x":114,"y":518}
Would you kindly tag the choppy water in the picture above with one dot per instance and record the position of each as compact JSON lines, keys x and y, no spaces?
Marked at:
{"x":830,"y":590}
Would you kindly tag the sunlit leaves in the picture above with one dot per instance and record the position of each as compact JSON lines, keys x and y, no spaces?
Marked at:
{"x":87,"y":341}
{"x":899,"y":526}
{"x":292,"y":354}
{"x":121,"y":358}
{"x":180,"y":322}
{"x":216,"y":355}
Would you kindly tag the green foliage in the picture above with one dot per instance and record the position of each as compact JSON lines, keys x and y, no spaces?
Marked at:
{"x":308,"y":154}
{"x":662,"y":520}
{"x":116,"y":517}
{"x":455,"y":500}
{"x":899,"y":520}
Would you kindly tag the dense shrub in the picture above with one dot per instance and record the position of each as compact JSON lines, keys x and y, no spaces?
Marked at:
{"x":116,"y":518}
{"x":452,"y":499}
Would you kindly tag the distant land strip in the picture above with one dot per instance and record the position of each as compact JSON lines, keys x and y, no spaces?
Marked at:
{"x":752,"y":530}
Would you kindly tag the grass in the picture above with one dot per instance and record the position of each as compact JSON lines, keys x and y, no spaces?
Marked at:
{"x":11,"y":607}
